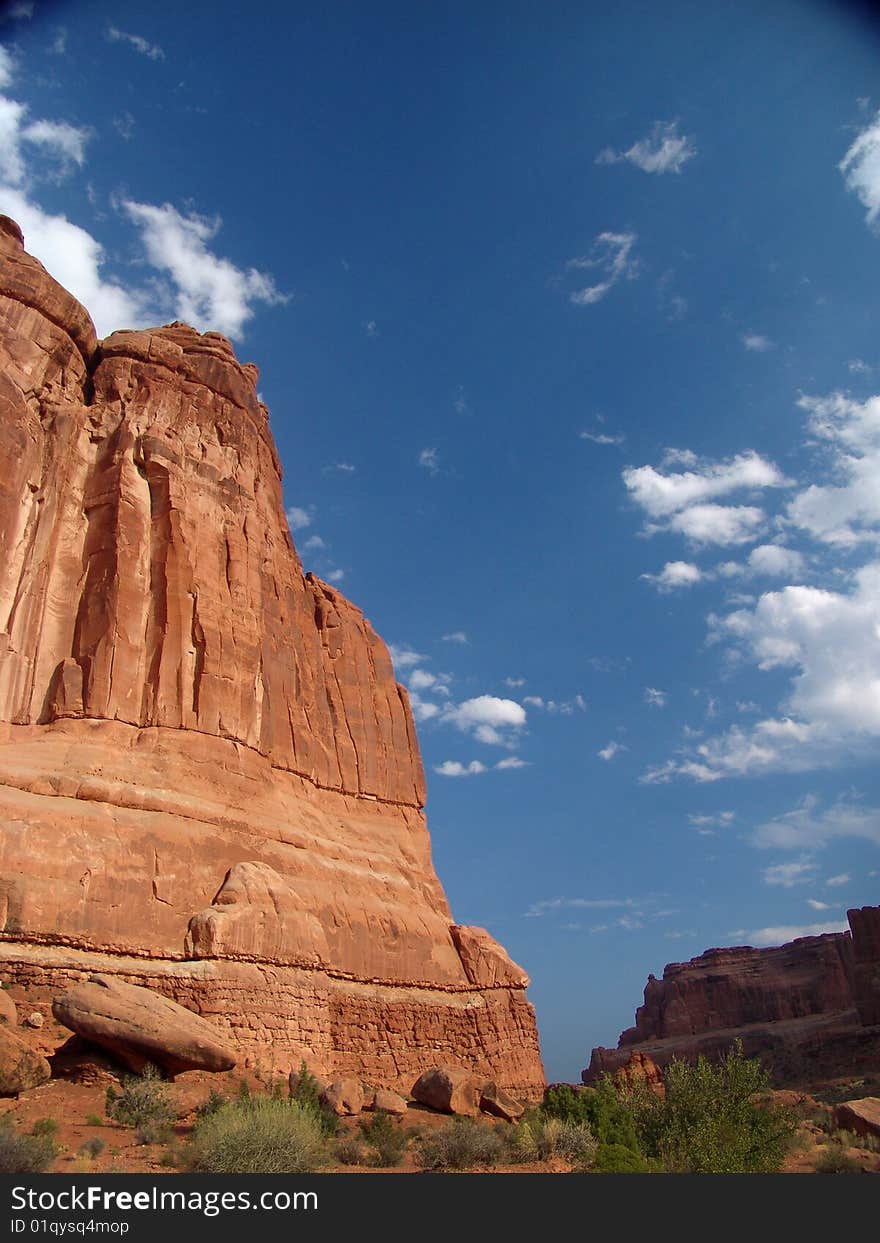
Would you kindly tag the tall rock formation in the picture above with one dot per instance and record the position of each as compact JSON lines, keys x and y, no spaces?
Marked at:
{"x":210,"y":780}
{"x":809,"y":1006}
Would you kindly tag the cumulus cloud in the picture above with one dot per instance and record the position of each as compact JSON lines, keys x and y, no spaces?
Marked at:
{"x":816,"y":905}
{"x":845,"y":513}
{"x":775,"y":561}
{"x":298,"y":518}
{"x":511,"y":762}
{"x":151,"y":50}
{"x":453,"y":768}
{"x":683,"y":499}
{"x":210,"y":292}
{"x":860,"y":167}
{"x":405,"y":657}
{"x":798,"y":872}
{"x":611,"y":256}
{"x":834,"y":882}
{"x":611,"y":749}
{"x":674,"y":575}
{"x":488,"y":719}
{"x":664,"y":150}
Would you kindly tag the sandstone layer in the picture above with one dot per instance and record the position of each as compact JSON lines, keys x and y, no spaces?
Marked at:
{"x":210,"y":780}
{"x":808,"y":1008}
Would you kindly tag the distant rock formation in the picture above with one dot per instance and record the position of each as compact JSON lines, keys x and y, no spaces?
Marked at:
{"x":811,"y":1006}
{"x":210,"y":781}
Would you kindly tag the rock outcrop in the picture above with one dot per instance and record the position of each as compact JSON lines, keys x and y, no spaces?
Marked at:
{"x":449,"y":1090}
{"x":21,"y":1067}
{"x":811,"y":1006}
{"x":210,"y":782}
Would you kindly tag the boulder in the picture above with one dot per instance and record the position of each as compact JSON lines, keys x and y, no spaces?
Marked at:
{"x":344,"y":1096}
{"x":139,"y":1027}
{"x":495,"y":1101}
{"x":7,"y":1009}
{"x":861,"y":1117}
{"x":34,"y":1019}
{"x":20,"y":1067}
{"x":389,"y":1102}
{"x":448,"y":1089}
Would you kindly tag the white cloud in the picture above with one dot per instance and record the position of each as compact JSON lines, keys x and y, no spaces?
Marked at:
{"x":314,"y":543}
{"x":298,"y":518}
{"x":655,"y":698}
{"x":488,"y":719}
{"x":775,"y":560}
{"x":566,"y":707}
{"x":662,"y":495}
{"x":511,"y":762}
{"x":757,"y":343}
{"x":717,"y":524}
{"x":675,"y":574}
{"x":846,"y":513}
{"x":341,"y":468}
{"x":452,"y":768}
{"x":422,"y":709}
{"x":601,"y":438}
{"x":59,"y":43}
{"x":428,"y":458}
{"x":210,"y":292}
{"x":808,"y":826}
{"x":405,"y":657}
{"x":513,"y":683}
{"x":611,"y":749}
{"x":611,"y":256}
{"x":818,"y":906}
{"x":371,"y":329}
{"x":548,"y":905}
{"x":7,"y":67}
{"x":834,"y":882}
{"x":151,"y":50}
{"x":335,"y":576}
{"x":861,"y":169}
{"x":799,"y":872}
{"x":763,"y":937}
{"x":706,"y":823}
{"x":858,"y":366}
{"x":457,"y":636}
{"x":422,"y":680}
{"x":66,"y":142}
{"x":663,"y":151}
{"x":124,"y":126}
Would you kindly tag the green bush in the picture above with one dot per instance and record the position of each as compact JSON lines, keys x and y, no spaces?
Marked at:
{"x":24,"y":1154}
{"x":385,"y":1139}
{"x":307,"y":1093}
{"x":618,"y":1159}
{"x":258,"y":1135}
{"x":715,"y":1119}
{"x":143,"y":1103}
{"x":214,"y":1101}
{"x":92,"y":1148}
{"x":46,"y":1127}
{"x":610,"y":1118}
{"x":460,"y":1145}
{"x":350,"y":1151}
{"x":834,"y":1160}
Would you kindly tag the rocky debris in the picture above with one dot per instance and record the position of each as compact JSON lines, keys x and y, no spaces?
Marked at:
{"x":344,"y":1096}
{"x":386,"y":1101}
{"x":495,"y":1101}
{"x":206,"y":762}
{"x":8,"y":1012}
{"x":862,"y":1116}
{"x":20,"y":1067}
{"x":140,"y":1027}
{"x":449,"y":1090}
{"x":808,"y":1008}
{"x":640,"y":1070}
{"x":34,"y":1020}
{"x":82,"y":1062}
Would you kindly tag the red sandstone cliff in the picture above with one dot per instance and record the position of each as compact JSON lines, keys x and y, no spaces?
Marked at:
{"x":811,"y":1003}
{"x":209,"y":778}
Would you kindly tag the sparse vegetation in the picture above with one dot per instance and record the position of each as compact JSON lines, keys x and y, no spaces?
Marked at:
{"x":94,"y":1120}
{"x":258,"y":1135}
{"x":144,"y":1104}
{"x":386,"y":1140}
{"x":45,"y":1127}
{"x":835,"y":1160}
{"x":24,"y":1154}
{"x":349,"y":1150}
{"x":307,"y":1094}
{"x":92,"y":1148}
{"x":462,"y":1144}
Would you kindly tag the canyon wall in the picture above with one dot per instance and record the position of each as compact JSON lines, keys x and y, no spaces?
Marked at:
{"x":209,"y":777}
{"x":811,"y":1006}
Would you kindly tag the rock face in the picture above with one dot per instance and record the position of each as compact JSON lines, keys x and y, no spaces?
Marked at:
{"x":810,"y":1006}
{"x":862,"y":1116}
{"x":20,"y":1067}
{"x":139,"y":1026}
{"x":210,"y":781}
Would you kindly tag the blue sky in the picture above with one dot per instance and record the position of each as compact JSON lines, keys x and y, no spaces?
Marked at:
{"x":567,"y":323}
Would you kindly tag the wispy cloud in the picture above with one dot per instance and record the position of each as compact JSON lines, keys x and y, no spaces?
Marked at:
{"x":860,"y":167}
{"x":151,"y":50}
{"x":611,"y":256}
{"x":763,"y":937}
{"x":298,"y":518}
{"x":456,"y":636}
{"x":611,"y":749}
{"x":655,"y":698}
{"x":798,"y":872}
{"x":429,"y":459}
{"x":834,"y":882}
{"x":548,"y":906}
{"x":811,"y":826}
{"x":756,"y":343}
{"x":664,"y":150}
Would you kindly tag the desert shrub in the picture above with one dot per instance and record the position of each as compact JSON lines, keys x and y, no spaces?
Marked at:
{"x":307,"y":1094}
{"x":214,"y":1101}
{"x":834,"y":1160}
{"x":716,"y":1118}
{"x":577,"y":1144}
{"x":143,"y":1103}
{"x":258,"y":1135}
{"x":24,"y":1154}
{"x":385,"y":1139}
{"x":610,"y":1118}
{"x":460,"y":1145}
{"x":94,"y":1120}
{"x":349,"y":1150}
{"x":47,"y":1127}
{"x":92,"y":1148}
{"x":618,"y":1159}
{"x":521,"y":1140}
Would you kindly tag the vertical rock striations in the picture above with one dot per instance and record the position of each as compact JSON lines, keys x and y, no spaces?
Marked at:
{"x":209,"y":778}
